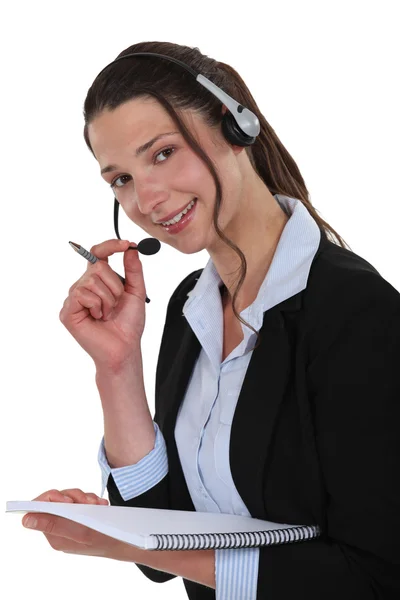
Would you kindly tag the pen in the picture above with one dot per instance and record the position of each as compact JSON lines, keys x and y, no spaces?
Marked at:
{"x":92,"y":258}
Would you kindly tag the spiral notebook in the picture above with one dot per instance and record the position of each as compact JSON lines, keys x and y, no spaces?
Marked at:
{"x":162,"y":529}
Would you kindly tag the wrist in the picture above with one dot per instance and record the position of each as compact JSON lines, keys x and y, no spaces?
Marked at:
{"x":118,"y":550}
{"x":121,"y":369}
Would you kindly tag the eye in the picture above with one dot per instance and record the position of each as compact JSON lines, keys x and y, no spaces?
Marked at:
{"x":162,"y":152}
{"x":113,"y":184}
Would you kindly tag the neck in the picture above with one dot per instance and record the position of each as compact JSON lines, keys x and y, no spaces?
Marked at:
{"x":256,"y":231}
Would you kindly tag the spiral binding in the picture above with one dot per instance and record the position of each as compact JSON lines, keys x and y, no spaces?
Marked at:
{"x":205,"y":541}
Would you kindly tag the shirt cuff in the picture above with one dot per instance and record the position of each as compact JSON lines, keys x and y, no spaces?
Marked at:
{"x":133,"y":480}
{"x":236,"y":573}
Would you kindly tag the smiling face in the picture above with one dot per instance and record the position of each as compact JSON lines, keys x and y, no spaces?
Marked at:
{"x":152,"y":183}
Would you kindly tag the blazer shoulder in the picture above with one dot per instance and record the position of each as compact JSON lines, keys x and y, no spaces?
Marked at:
{"x":339,"y":279}
{"x":343,"y":287}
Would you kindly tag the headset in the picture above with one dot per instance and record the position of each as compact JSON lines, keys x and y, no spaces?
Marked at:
{"x":239,"y":125}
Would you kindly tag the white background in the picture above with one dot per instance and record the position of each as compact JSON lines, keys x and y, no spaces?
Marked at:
{"x":324,"y":74}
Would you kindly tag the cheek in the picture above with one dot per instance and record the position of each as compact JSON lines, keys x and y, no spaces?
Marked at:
{"x":132,"y":211}
{"x":191,"y":175}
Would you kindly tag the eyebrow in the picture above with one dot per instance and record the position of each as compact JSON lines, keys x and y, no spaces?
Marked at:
{"x":139,"y":151}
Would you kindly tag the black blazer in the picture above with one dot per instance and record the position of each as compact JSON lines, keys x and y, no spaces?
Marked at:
{"x":318,"y":422}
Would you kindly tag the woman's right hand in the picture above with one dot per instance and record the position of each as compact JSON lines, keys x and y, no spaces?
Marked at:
{"x":105,"y":317}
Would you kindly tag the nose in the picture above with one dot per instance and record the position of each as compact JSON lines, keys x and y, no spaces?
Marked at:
{"x":148,"y":197}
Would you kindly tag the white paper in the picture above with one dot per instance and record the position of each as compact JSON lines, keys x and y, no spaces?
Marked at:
{"x":135,"y":526}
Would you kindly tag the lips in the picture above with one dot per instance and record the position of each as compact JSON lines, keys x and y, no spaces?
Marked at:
{"x":172,"y":215}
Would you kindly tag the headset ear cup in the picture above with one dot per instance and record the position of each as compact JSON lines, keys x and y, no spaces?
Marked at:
{"x":233,"y":133}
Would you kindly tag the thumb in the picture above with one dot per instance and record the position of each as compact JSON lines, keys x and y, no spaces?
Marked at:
{"x":134,"y":281}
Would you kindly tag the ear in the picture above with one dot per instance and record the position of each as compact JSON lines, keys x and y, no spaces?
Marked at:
{"x":236,"y":149}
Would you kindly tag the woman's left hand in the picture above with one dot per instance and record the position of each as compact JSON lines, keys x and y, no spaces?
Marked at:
{"x":74,"y":538}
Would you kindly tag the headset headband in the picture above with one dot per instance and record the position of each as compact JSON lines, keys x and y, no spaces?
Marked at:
{"x":246,"y":120}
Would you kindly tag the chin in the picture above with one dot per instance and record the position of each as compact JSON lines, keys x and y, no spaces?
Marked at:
{"x":190,"y":247}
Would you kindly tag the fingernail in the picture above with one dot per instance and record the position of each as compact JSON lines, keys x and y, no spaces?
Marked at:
{"x":30,"y":522}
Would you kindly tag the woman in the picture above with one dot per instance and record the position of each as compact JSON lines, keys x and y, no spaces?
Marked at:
{"x":277,"y":393}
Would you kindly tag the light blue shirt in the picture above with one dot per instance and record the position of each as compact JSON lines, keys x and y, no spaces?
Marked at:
{"x":203,"y":425}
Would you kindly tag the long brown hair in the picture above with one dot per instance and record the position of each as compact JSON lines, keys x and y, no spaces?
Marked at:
{"x":175,"y":88}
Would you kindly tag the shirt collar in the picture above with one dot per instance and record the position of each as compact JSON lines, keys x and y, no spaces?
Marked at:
{"x":289,"y":269}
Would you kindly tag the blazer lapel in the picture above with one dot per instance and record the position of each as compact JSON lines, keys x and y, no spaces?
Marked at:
{"x":181,"y":353}
{"x":263,"y":389}
{"x":258,"y":405}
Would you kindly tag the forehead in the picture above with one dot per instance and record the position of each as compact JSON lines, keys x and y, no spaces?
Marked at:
{"x":131,"y":121}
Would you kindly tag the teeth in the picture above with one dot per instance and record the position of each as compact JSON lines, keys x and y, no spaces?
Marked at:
{"x":179,"y":215}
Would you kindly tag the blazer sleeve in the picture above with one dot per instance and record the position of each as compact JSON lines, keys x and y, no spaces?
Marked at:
{"x":354,"y":390}
{"x":135,"y":479}
{"x":151,"y":496}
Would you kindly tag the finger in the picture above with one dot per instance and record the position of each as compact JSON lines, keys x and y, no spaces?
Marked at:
{"x":52,"y":496}
{"x":134,"y":281}
{"x":58,"y":526}
{"x":100,"y":280}
{"x":94,"y":283}
{"x":82,"y":298}
{"x":81,"y":497}
{"x":102,"y":252}
{"x":96,"y":499}
{"x":108,"y":248}
{"x":78,"y":495}
{"x":107,"y":276}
